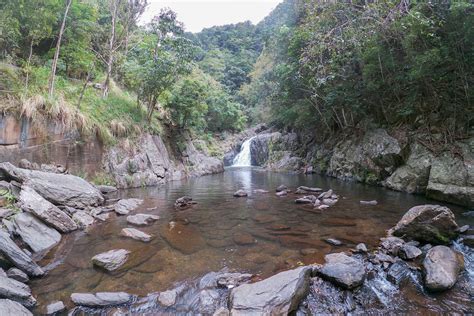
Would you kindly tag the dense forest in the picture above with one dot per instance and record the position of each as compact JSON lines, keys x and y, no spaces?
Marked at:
{"x":309,"y":65}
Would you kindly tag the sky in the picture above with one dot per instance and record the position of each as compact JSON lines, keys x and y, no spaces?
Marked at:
{"x":199,"y":14}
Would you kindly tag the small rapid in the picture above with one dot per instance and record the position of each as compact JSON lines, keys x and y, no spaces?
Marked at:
{"x":244,"y":158}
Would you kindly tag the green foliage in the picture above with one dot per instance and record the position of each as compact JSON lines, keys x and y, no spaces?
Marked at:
{"x":102,"y":178}
{"x":340,"y":65}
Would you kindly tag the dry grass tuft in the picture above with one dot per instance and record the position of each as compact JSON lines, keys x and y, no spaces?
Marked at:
{"x":118,"y":128}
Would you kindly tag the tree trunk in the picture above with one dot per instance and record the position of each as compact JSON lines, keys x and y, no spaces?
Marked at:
{"x":84,"y":89}
{"x":56,"y":53}
{"x":28,"y":66}
{"x":110,"y":60}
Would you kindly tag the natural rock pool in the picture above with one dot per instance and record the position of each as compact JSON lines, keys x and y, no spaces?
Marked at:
{"x":261,"y":234}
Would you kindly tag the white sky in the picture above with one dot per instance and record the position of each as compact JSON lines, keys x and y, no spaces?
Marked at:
{"x":199,"y":14}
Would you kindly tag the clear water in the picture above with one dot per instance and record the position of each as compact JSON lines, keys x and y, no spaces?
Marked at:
{"x":207,"y":236}
{"x":243,"y":158}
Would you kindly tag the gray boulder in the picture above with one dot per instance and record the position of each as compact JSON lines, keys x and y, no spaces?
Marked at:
{"x":345,"y":271}
{"x":408,"y":252}
{"x":167,"y":298}
{"x":277,"y":295}
{"x":142,"y":219}
{"x":112,"y":259}
{"x":34,"y":233}
{"x":18,"y":275}
{"x":83,"y":219}
{"x":124,"y":206}
{"x":106,"y":189}
{"x":441,"y":268}
{"x":16,"y":291}
{"x":101,"y":299}
{"x":12,"y":308}
{"x":135,"y":234}
{"x":240,"y":193}
{"x":427,"y":223}
{"x":34,"y":203}
{"x":60,"y":189}
{"x":10,"y":250}
{"x":55,"y":307}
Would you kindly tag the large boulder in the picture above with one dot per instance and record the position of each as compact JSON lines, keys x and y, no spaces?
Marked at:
{"x":427,"y":223}
{"x":20,"y":259}
{"x":370,"y":159}
{"x":441,"y":268}
{"x":452,"y":176}
{"x":413,"y":176}
{"x":261,"y":147}
{"x":9,"y":307}
{"x":60,"y":189}
{"x":112,"y":259}
{"x":34,"y":233}
{"x":345,"y":271}
{"x":101,"y":299}
{"x":277,"y":295}
{"x":34,"y":203}
{"x":16,"y":291}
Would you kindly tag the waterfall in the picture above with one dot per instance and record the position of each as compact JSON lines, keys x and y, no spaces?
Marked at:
{"x":243,"y":158}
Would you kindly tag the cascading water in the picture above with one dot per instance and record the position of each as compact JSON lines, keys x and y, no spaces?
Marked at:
{"x":243,"y":158}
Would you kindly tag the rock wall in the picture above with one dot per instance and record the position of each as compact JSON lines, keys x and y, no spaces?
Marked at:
{"x":19,"y":139}
{"x":376,"y":157}
{"x":150,"y":161}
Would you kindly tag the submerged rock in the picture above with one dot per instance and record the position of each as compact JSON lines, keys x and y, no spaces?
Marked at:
{"x":373,"y":202}
{"x":60,"y":189}
{"x":135,"y":234}
{"x":124,"y":206}
{"x":184,"y":201}
{"x":333,"y":241}
{"x":343,"y":270}
{"x":16,"y":291}
{"x":441,"y":268}
{"x":34,"y":233}
{"x":427,"y":223}
{"x":277,"y":295}
{"x":240,"y":193}
{"x":243,"y":239}
{"x":185,"y":238}
{"x":34,"y":203}
{"x":10,"y":250}
{"x":101,"y":299}
{"x":112,"y":259}
{"x":142,"y":219}
{"x":9,"y":307}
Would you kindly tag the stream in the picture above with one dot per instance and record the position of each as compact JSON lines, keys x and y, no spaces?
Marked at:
{"x":262,"y":234}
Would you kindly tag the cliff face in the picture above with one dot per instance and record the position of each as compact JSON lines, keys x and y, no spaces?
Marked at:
{"x":150,"y":160}
{"x":375,"y":158}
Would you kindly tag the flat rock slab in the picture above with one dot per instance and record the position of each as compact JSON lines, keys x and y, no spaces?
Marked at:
{"x":34,"y":203}
{"x":240,"y":193}
{"x":343,"y":270}
{"x":184,"y":238}
{"x":112,"y":259}
{"x":277,"y":295}
{"x":101,"y":299}
{"x":142,"y":219}
{"x":124,"y":206}
{"x":19,"y":258}
{"x":135,"y":234}
{"x":16,"y":291}
{"x":60,"y":189}
{"x":442,"y":267}
{"x":244,"y":239}
{"x":9,"y":307}
{"x":34,"y":233}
